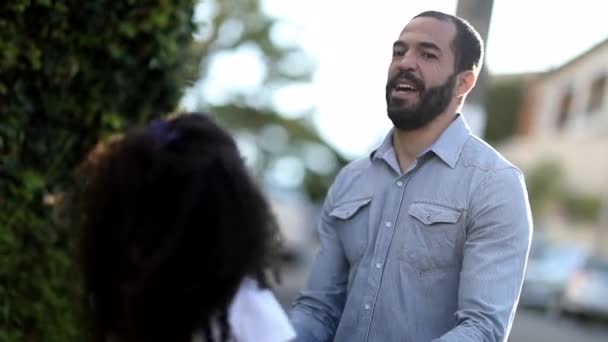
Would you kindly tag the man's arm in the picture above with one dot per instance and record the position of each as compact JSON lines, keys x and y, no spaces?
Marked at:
{"x":318,"y":308}
{"x":499,"y":232}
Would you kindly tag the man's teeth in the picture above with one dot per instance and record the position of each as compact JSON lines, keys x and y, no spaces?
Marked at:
{"x":405,"y":87}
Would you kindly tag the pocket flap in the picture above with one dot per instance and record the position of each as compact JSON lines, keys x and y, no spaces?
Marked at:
{"x":429,"y":213}
{"x":346,"y":210}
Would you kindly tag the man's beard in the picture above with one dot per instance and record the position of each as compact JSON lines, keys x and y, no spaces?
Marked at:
{"x":432,"y":102}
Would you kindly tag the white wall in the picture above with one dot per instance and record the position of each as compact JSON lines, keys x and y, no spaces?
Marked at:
{"x":578,"y":76}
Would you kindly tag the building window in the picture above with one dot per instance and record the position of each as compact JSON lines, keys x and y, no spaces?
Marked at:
{"x":564,"y":110}
{"x":596,"y":100}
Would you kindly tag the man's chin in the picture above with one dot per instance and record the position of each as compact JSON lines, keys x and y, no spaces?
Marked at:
{"x":406,"y":110}
{"x":401,"y":103}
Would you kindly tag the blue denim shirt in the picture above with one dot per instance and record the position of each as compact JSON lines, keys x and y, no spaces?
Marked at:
{"x":436,"y":253}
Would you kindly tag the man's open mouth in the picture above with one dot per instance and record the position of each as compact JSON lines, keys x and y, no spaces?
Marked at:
{"x":404,"y":86}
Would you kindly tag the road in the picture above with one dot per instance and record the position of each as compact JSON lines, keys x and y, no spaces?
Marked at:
{"x":536,"y":326}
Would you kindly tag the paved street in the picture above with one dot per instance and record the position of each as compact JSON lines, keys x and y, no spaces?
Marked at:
{"x":536,"y":326}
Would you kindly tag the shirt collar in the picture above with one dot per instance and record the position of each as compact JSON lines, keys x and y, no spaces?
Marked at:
{"x":447,"y":147}
{"x":386,"y":152}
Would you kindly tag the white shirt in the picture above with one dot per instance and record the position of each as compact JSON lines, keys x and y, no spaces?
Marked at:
{"x":255,"y":315}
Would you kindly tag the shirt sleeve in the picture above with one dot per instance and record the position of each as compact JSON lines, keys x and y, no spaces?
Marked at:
{"x":499,"y":232}
{"x":318,"y":308}
{"x":256,"y":315}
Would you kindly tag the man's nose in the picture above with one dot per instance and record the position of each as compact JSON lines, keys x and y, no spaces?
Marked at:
{"x":408,"y":62}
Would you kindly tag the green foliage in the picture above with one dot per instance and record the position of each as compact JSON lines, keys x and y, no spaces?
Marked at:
{"x":545,"y":186}
{"x":74,"y":71}
{"x":252,"y":112}
{"x":300,"y":134}
{"x":544,"y":183}
{"x":70,"y":72}
{"x":582,"y":207}
{"x":503,"y":102}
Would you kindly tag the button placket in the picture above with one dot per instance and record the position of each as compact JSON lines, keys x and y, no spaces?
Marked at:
{"x":382,"y":245}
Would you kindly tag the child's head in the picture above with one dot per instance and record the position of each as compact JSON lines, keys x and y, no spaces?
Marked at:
{"x":171,"y":222}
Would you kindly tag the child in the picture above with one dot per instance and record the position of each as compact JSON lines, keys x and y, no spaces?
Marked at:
{"x":176,"y":238}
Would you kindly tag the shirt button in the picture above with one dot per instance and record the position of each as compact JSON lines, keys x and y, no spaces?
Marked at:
{"x":399,"y":183}
{"x":367,"y":306}
{"x":378,"y":265}
{"x":388,"y":223}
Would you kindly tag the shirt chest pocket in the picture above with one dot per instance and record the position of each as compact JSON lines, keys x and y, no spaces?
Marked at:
{"x":431,"y":237}
{"x":350,"y":220}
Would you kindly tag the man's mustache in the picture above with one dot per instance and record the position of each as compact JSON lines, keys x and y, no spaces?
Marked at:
{"x":406,"y":75}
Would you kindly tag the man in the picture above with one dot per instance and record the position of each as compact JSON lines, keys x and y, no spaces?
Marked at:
{"x":427,"y":238}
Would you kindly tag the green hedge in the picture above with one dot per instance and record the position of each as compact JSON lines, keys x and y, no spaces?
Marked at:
{"x":70,"y":72}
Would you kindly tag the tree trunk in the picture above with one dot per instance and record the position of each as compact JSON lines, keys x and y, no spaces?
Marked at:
{"x":479,"y":14}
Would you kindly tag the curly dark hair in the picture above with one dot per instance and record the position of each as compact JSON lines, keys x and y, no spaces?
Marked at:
{"x":170,"y":222}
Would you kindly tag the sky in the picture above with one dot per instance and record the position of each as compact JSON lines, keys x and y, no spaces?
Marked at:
{"x":350,"y":42}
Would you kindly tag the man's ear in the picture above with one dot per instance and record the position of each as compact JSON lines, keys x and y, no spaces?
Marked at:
{"x":464,"y":83}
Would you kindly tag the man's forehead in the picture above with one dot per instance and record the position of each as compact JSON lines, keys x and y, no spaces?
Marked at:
{"x":440,"y":32}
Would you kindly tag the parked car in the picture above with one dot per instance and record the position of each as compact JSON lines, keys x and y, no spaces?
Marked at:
{"x":549,"y":268}
{"x":587,"y":290}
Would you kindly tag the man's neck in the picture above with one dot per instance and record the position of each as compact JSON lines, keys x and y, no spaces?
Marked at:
{"x":409,"y":144}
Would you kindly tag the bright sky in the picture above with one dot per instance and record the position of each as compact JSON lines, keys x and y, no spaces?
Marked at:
{"x":351,"y":43}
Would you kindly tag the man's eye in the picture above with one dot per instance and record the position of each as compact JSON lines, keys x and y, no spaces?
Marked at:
{"x":427,"y":55}
{"x":397,"y":53}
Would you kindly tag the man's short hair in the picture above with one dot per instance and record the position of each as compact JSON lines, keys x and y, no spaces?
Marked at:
{"x":467,"y":44}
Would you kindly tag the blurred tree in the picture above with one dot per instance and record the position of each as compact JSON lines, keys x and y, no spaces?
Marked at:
{"x":70,"y":72}
{"x":545,"y":185}
{"x":286,"y":148}
{"x":503,"y":102}
{"x":581,"y":206}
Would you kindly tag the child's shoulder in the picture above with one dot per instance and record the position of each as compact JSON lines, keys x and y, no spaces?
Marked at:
{"x":256,"y":315}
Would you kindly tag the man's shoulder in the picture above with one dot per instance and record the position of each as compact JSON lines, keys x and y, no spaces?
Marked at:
{"x":357,"y":166}
{"x":349,"y":179}
{"x":477,"y":153}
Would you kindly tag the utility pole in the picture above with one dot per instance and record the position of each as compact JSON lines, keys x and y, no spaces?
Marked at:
{"x":601,"y":240}
{"x":478,"y":13}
